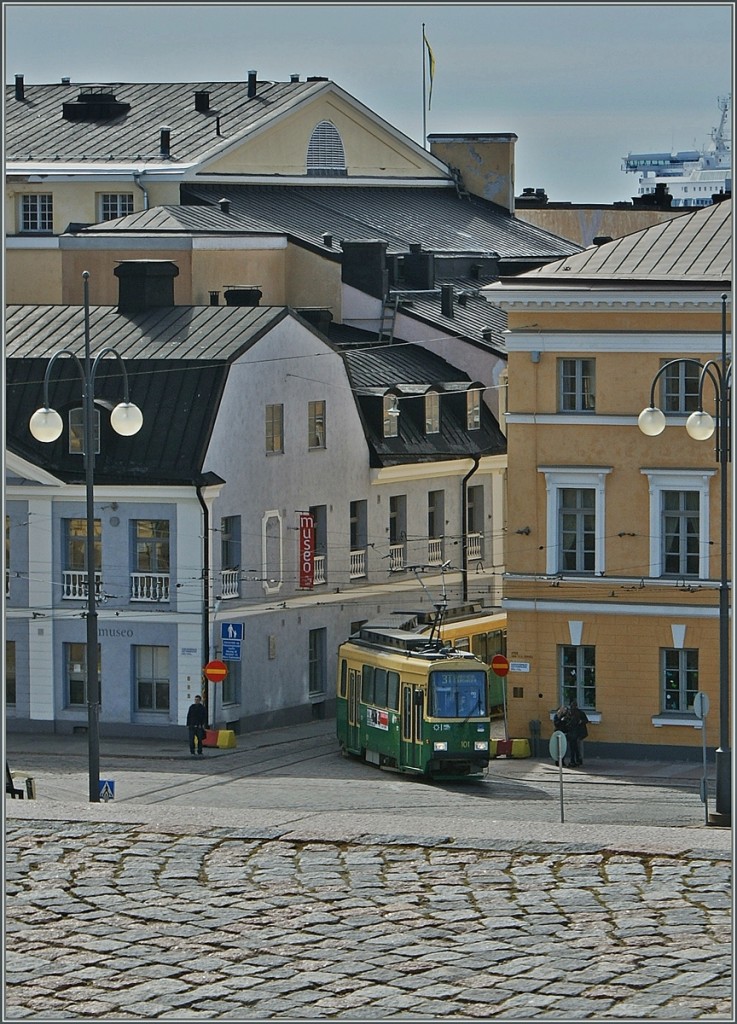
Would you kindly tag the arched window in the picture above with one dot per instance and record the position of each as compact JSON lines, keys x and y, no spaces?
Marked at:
{"x":325,"y":155}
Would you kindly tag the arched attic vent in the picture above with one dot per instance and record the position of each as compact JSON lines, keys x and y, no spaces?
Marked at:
{"x":325,"y":153}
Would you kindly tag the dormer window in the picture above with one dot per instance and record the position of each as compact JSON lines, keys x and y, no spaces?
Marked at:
{"x":391,"y":416}
{"x":325,"y":153}
{"x":76,"y":431}
{"x":473,"y":410}
{"x":432,"y":413}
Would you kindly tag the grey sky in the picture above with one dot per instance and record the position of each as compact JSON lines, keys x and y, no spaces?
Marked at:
{"x":579,"y":84}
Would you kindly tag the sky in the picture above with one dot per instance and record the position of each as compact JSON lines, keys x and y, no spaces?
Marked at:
{"x":581,"y":85}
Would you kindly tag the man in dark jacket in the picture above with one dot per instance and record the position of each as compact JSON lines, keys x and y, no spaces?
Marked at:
{"x":196,"y":722}
{"x":576,"y":731}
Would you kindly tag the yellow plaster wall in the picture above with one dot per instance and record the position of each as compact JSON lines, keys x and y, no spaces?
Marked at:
{"x":75,"y":202}
{"x":282,"y":147}
{"x":214,"y":269}
{"x":33,"y":276}
{"x":103,"y":283}
{"x":584,"y":224}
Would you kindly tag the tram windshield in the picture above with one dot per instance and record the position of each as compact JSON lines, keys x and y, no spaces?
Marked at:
{"x":458,"y":693}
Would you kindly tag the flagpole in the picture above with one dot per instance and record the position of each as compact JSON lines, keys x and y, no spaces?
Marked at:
{"x":424,"y":92}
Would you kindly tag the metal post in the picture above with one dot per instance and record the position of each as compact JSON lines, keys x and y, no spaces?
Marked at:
{"x":93,"y":678}
{"x":723,"y":814}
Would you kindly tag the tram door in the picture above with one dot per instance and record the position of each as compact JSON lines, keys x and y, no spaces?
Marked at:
{"x":354,"y":721}
{"x":413,"y":706}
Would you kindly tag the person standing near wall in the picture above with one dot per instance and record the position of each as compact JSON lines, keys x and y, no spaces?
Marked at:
{"x":576,"y":731}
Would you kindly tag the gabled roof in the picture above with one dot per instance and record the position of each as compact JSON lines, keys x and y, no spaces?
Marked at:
{"x":695,"y":248}
{"x":177,"y":361}
{"x":409,"y":372}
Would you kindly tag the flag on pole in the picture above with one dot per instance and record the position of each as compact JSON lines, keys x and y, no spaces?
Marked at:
{"x":431,"y":66}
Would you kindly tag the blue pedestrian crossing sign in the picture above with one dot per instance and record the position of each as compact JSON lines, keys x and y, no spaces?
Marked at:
{"x":231,"y":637}
{"x":107,"y":789}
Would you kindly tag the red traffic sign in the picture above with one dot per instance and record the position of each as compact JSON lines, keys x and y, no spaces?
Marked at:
{"x":216,"y":671}
{"x":499,"y":665}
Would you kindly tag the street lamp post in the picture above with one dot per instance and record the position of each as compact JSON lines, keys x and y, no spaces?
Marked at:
{"x":701,"y":426}
{"x":46,"y":425}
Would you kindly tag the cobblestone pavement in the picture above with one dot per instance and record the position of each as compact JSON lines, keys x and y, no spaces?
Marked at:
{"x":115,"y":920}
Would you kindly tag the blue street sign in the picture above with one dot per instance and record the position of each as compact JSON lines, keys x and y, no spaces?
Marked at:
{"x":107,"y":789}
{"x":231,"y":631}
{"x":231,"y":650}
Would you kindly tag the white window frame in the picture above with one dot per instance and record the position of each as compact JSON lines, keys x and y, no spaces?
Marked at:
{"x":580,"y":477}
{"x":583,"y":402}
{"x":391,"y":420}
{"x":37,"y":213}
{"x":274,"y":428}
{"x":432,"y":413}
{"x":660,"y":480}
{"x":117,"y":199}
{"x":473,"y":410}
{"x":317,"y":414}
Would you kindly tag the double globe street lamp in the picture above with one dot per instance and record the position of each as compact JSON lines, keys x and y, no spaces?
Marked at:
{"x":700,"y":425}
{"x":46,"y":425}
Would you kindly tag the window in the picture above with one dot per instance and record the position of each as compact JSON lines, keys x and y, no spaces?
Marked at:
{"x":577,"y":675}
{"x":358,"y":539}
{"x":432,"y":413}
{"x":75,"y":544}
{"x":115,"y":204}
{"x":680,"y":388}
{"x":325,"y":153}
{"x":75,"y":664}
{"x":10,"y":673}
{"x":230,"y":542}
{"x":575,"y":519}
{"x":680,"y":674}
{"x":473,"y":410}
{"x":37,"y":213}
{"x":576,"y":382}
{"x":151,"y":545}
{"x":679,"y":522}
{"x":680,"y":533}
{"x":316,"y":425}
{"x":576,"y":529}
{"x":317,"y":644}
{"x":391,"y":416}
{"x":230,"y":687}
{"x":76,"y":431}
{"x":435,"y":514}
{"x":152,"y":678}
{"x":7,"y":555}
{"x":475,"y":522}
{"x":274,"y":428}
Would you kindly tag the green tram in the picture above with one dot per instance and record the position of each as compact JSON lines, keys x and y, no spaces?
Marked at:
{"x":408,"y":703}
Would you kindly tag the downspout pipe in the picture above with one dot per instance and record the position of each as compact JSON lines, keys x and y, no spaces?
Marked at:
{"x":205,"y":598}
{"x":137,"y":180}
{"x":464,"y":537}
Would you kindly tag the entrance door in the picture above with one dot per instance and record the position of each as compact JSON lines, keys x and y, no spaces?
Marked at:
{"x":354,"y":720}
{"x":412,"y":715}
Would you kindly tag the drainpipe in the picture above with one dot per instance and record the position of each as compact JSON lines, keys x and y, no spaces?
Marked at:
{"x":464,"y":536}
{"x":205,"y":599}
{"x":137,"y":180}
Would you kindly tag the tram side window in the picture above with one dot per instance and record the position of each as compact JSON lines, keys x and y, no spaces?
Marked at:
{"x":367,"y":684}
{"x":380,"y":687}
{"x":407,"y":716}
{"x":343,"y":677}
{"x":392,"y":700}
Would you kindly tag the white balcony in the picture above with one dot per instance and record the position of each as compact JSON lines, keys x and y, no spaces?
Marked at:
{"x":396,"y":557}
{"x":435,"y":551}
{"x":358,"y":564}
{"x":229,"y":583}
{"x":150,"y":586}
{"x":474,"y":545}
{"x":319,"y":563}
{"x":74,"y":584}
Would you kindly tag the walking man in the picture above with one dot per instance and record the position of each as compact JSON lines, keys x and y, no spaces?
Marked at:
{"x":196,"y":722}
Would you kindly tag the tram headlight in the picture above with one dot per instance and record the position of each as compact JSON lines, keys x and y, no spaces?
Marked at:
{"x":481,"y":745}
{"x":440,"y":746}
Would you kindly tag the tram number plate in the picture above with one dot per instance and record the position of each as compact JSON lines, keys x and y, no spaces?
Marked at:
{"x":377,"y":719}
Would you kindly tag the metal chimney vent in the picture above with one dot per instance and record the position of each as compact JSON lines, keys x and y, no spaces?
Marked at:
{"x":94,"y":103}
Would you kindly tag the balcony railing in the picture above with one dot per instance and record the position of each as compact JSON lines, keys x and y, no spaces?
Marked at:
{"x":319,"y":576}
{"x":396,"y":557}
{"x":149,"y":586}
{"x":358,"y":564}
{"x":474,"y":544}
{"x":74,"y":584}
{"x":229,"y":583}
{"x":435,"y":550}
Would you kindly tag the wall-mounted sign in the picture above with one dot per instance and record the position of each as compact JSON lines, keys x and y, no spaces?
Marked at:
{"x":306,"y":551}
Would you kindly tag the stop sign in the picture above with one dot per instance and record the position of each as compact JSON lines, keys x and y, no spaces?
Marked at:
{"x":216,"y":671}
{"x":499,"y":665}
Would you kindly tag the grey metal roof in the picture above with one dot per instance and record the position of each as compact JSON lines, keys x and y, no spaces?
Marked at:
{"x":696,"y":247}
{"x":35,"y":129}
{"x":411,"y":371}
{"x":399,"y":215}
{"x":177,"y":362}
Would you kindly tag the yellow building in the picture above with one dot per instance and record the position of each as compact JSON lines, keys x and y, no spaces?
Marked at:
{"x":613,"y":541}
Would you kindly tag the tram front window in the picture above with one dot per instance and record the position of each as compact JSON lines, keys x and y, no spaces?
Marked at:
{"x":457,"y":694}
